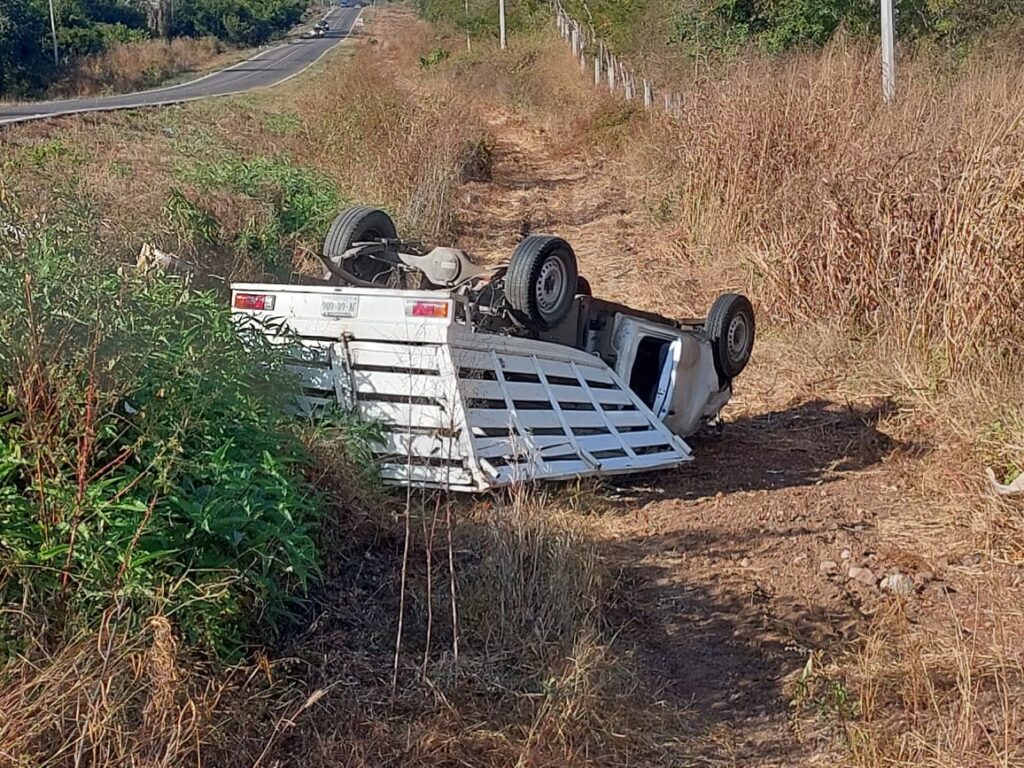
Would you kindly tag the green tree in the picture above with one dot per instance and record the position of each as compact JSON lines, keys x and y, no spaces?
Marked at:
{"x":246,"y":22}
{"x":25,"y":62}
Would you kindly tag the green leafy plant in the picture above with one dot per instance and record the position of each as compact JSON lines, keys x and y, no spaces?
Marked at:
{"x":436,"y":56}
{"x":144,"y":459}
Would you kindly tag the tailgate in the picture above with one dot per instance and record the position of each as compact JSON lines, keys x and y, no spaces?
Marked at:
{"x":329,"y":313}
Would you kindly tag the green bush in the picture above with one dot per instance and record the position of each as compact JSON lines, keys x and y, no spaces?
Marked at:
{"x":144,"y":462}
{"x":91,"y":38}
{"x":725,"y":27}
{"x":435,"y":57}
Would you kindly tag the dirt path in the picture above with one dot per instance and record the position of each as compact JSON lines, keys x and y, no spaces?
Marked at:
{"x":723,"y":589}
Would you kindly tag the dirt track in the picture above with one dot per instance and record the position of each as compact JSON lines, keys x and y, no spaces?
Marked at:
{"x":720,"y":586}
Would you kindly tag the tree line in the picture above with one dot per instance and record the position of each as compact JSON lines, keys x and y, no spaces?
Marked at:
{"x":720,"y":28}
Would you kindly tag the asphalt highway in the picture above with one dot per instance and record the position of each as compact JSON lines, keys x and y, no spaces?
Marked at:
{"x":268,"y":67}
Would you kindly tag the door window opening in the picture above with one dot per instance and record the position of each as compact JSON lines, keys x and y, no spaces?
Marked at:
{"x":646,"y":375}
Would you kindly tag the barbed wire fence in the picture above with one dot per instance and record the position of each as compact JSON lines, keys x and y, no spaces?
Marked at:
{"x":608,"y":70}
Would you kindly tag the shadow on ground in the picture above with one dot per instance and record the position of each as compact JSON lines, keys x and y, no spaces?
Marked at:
{"x":712,"y":635}
{"x":809,"y":443}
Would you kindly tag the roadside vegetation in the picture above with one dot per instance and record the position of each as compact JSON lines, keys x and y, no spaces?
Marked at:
{"x":146,"y":620}
{"x":882,"y":247}
{"x":146,"y":463}
{"x":123,"y":44}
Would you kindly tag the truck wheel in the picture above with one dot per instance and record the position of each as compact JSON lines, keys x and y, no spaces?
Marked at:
{"x":354,"y":225}
{"x":541,"y":281}
{"x":730,"y":327}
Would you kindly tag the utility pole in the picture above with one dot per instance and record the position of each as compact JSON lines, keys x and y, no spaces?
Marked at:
{"x":53,"y":29}
{"x":888,"y":52}
{"x":501,"y":14}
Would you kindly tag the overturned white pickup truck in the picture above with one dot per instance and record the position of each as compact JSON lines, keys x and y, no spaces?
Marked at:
{"x":485,"y":377}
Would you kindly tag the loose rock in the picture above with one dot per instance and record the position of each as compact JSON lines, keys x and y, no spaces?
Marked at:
{"x":828,"y":567}
{"x":862,"y":575}
{"x":845,"y":555}
{"x":898,"y":583}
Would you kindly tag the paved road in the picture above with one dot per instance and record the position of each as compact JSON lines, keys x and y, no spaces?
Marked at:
{"x":266,"y":68}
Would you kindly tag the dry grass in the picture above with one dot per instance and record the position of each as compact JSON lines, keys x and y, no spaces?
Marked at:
{"x":946,"y":695}
{"x":904,"y":221}
{"x":901,"y":226}
{"x":390,"y":134}
{"x":391,"y":146}
{"x":883,"y":246}
{"x":104,"y":699}
{"x":535,"y":681}
{"x":133,"y":66}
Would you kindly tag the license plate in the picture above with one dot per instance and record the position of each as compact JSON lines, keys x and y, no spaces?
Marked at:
{"x":339,"y":306}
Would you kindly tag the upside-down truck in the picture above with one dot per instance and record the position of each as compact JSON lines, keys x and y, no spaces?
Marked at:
{"x":489,"y":376}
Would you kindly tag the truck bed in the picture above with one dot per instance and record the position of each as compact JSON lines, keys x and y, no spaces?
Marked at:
{"x":462,"y":409}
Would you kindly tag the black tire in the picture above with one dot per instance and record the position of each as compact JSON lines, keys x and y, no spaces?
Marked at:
{"x":354,"y":225}
{"x":730,"y":327}
{"x":541,"y":281}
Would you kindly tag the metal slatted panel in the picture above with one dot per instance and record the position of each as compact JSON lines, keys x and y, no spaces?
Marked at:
{"x":556,"y":413}
{"x":484,"y":411}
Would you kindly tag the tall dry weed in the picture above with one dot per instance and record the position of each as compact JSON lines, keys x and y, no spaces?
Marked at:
{"x":107,"y":698}
{"x":393,"y":145}
{"x":535,"y":588}
{"x":944,"y":695}
{"x":904,"y":220}
{"x":131,"y":66}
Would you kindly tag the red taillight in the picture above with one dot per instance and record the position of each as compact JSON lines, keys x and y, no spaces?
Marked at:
{"x":427,"y":308}
{"x":262,"y":301}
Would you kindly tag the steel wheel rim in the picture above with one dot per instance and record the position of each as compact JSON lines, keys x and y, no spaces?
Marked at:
{"x":550,"y":287}
{"x":737,"y":337}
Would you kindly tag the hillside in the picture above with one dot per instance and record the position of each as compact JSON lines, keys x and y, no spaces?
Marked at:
{"x":830,"y":581}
